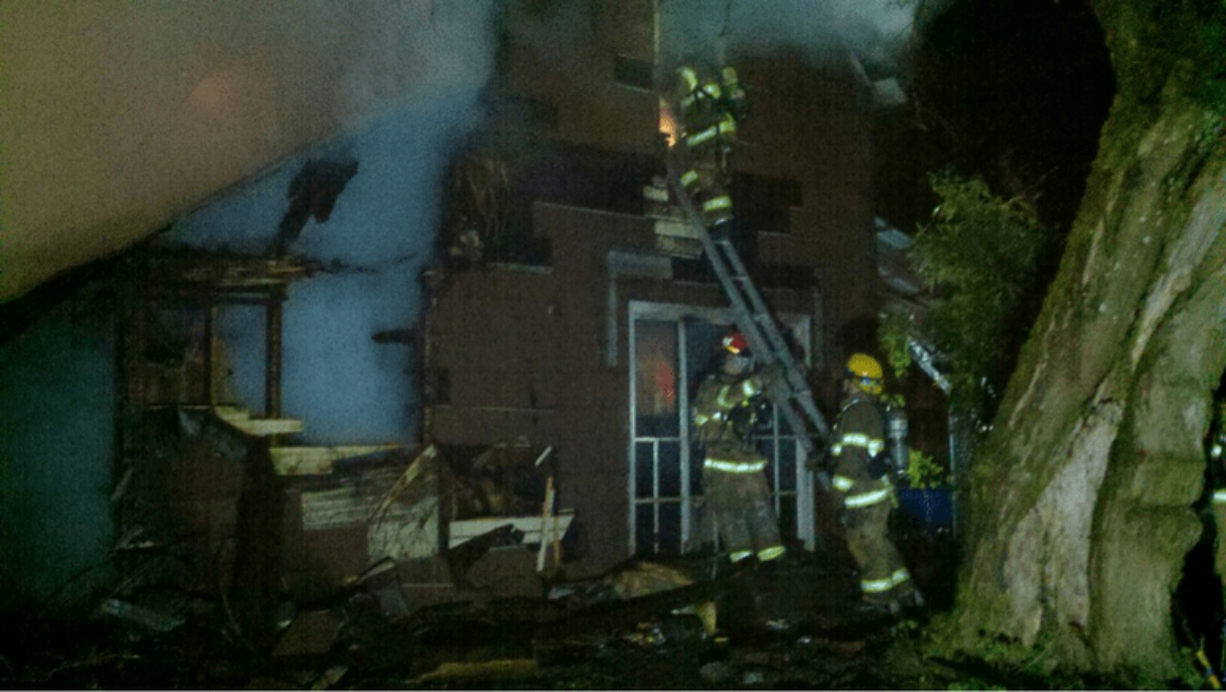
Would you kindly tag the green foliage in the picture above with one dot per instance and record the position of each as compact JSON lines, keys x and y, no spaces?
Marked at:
{"x":980,"y":257}
{"x":892,"y":336}
{"x":923,"y":472}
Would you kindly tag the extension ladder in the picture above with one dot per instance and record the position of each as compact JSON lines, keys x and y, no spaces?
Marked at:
{"x":754,"y":320}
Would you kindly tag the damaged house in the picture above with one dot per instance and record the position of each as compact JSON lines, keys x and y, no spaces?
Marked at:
{"x":305,"y":401}
{"x":567,"y":310}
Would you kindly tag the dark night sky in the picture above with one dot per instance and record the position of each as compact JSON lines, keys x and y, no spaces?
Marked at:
{"x":1013,"y":91}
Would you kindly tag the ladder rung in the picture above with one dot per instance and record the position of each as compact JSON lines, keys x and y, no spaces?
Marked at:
{"x":753,"y":312}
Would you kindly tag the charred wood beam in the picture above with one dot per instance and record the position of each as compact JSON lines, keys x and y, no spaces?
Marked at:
{"x":221,"y":271}
{"x":210,"y":321}
{"x":272,"y":370}
{"x":312,"y":193}
{"x":256,"y":577}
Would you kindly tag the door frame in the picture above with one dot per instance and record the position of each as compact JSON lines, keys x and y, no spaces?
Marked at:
{"x":679,"y":313}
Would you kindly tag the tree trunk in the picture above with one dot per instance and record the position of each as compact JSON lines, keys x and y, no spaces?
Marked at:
{"x":1079,"y":500}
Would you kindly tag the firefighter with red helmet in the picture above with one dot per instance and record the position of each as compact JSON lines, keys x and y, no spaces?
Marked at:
{"x":862,"y":487}
{"x":733,"y":478}
{"x":709,"y":106}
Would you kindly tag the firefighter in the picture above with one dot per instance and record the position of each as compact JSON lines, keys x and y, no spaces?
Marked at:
{"x":862,"y":487}
{"x":709,"y":107}
{"x":733,"y":477}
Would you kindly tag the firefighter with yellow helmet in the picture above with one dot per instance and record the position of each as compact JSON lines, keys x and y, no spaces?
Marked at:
{"x":708,"y":107}
{"x":862,"y":487}
{"x":733,"y":478}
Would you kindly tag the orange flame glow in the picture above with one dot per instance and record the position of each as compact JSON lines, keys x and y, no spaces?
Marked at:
{"x":668,"y":124}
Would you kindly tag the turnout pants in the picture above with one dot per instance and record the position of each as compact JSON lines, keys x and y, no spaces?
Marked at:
{"x":742,"y":507}
{"x":707,"y":184}
{"x":883,"y":577}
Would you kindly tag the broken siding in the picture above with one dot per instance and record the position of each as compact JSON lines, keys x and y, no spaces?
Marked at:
{"x":407,"y":528}
{"x":317,"y":461}
{"x":555,"y":527}
{"x":339,"y":525}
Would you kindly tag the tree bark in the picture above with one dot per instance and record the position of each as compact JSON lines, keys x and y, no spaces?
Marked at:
{"x":1080,"y":498}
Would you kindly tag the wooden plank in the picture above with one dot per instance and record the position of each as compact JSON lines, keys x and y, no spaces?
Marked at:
{"x":265,"y":427}
{"x":546,"y":514}
{"x":675,"y":229}
{"x":258,"y":427}
{"x":229,"y":413}
{"x":461,"y":531}
{"x":318,"y":461}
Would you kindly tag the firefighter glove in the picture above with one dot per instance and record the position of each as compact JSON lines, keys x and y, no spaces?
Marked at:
{"x":774,"y":381}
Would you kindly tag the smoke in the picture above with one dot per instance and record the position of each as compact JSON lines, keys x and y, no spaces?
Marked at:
{"x":408,"y":102}
{"x":349,"y":61}
{"x":413,"y":46}
{"x":815,"y":27}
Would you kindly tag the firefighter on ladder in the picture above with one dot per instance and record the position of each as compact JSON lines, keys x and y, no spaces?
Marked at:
{"x":733,"y":478}
{"x":862,"y":486}
{"x":709,"y":108}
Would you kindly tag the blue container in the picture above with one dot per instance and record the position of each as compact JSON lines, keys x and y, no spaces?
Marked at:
{"x":930,"y":510}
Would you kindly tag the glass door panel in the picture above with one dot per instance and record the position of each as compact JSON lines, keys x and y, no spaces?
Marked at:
{"x":672,"y":348}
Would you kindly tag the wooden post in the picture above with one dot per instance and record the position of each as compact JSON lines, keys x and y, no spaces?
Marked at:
{"x":210,"y":345}
{"x":557,"y":542}
{"x":272,"y":355}
{"x":546,"y":512}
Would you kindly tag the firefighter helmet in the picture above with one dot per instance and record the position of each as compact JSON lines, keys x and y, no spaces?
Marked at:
{"x":736,"y":344}
{"x":865,"y":372}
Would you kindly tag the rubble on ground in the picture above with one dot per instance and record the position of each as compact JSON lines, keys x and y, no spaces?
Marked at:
{"x":244,"y":562}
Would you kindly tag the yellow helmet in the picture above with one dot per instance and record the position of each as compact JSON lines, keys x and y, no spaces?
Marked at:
{"x":865,"y":372}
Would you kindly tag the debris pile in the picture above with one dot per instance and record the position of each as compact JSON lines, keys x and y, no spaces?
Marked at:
{"x":364,"y":577}
{"x":280,"y":566}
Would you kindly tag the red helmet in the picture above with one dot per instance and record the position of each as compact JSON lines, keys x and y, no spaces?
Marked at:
{"x":736,"y":344}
